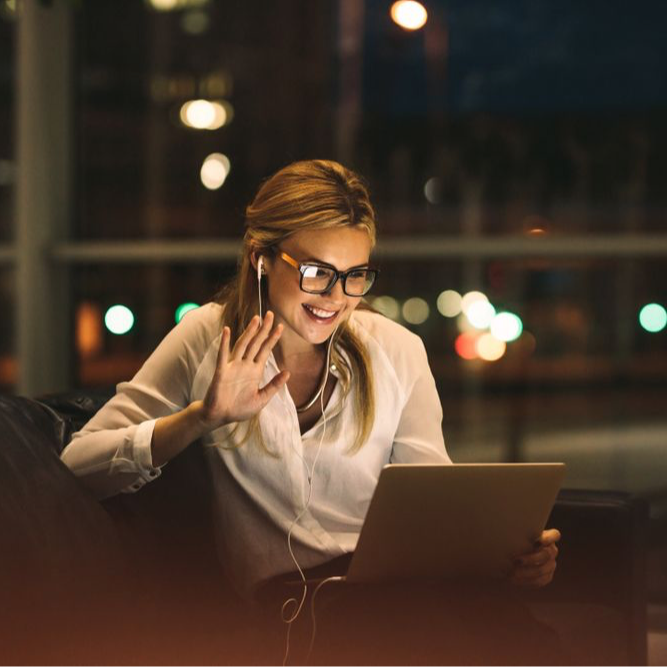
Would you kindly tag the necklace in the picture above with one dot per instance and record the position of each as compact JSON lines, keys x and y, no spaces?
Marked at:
{"x":325,"y":376}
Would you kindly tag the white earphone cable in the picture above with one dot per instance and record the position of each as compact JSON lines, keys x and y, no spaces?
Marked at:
{"x":310,"y":471}
{"x":260,"y":263}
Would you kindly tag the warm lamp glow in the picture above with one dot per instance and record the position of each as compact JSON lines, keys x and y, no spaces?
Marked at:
{"x":506,"y":326}
{"x":470,"y":297}
{"x":214,"y":171}
{"x":466,"y":346}
{"x":490,"y":348}
{"x":388,"y":306}
{"x":205,"y":115}
{"x":164,"y":5}
{"x":408,"y":14}
{"x":449,"y":303}
{"x":415,"y":310}
{"x":88,"y":329}
{"x":480,"y":313}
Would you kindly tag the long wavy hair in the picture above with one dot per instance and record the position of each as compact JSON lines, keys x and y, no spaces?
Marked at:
{"x":307,"y":195}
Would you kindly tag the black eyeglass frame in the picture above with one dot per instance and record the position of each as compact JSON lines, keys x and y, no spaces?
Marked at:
{"x":302,"y":267}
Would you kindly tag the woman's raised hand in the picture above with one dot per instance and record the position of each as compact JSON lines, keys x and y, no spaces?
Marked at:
{"x":234,"y":393}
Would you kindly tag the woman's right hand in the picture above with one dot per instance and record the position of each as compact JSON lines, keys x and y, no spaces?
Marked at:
{"x":234,"y":394}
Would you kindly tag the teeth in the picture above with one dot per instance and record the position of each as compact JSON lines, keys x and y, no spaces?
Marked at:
{"x":321,"y":313}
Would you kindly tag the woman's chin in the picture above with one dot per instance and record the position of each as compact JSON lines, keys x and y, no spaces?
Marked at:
{"x":317,"y":333}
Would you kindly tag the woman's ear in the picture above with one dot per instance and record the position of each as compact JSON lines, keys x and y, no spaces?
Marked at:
{"x":258,"y":262}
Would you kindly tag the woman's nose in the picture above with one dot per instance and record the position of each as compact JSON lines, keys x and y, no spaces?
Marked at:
{"x":336,"y":292}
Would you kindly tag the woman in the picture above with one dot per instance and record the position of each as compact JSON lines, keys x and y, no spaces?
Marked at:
{"x":298,"y":407}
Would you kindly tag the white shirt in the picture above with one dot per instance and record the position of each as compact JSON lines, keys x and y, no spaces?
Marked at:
{"x":257,"y":496}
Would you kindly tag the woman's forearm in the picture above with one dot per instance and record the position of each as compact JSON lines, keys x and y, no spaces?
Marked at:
{"x":172,"y":434}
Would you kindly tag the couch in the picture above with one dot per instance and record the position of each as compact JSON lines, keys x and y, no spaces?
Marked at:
{"x":135,"y":579}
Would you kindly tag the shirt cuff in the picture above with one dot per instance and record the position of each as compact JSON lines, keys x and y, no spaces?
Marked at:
{"x":142,"y":455}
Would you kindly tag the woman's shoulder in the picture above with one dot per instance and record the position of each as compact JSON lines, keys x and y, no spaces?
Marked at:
{"x":201,"y":326}
{"x":393,"y":338}
{"x":207,"y":316}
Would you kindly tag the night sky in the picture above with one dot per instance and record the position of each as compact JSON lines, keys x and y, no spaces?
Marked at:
{"x":519,"y":56}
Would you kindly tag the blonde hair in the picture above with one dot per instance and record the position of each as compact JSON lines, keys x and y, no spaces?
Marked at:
{"x":307,"y":195}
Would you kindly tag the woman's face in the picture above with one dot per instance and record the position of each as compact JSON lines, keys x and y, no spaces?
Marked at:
{"x":312,"y":318}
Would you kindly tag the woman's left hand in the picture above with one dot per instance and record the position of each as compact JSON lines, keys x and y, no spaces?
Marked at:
{"x":536,"y":568}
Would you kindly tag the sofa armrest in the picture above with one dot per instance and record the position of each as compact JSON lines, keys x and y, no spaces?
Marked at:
{"x":601,"y":575}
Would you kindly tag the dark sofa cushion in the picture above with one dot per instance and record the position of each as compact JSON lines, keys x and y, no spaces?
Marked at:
{"x":74,"y":409}
{"x":132,"y":580}
{"x":597,"y":600}
{"x":56,"y":538}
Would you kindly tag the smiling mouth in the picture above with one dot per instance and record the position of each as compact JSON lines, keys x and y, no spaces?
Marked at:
{"x":320,"y":314}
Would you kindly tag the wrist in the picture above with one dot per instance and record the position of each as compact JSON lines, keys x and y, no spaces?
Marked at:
{"x":201,"y":423}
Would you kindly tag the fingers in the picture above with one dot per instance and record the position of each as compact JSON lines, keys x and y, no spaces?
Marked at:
{"x":223,"y":351}
{"x":549,"y":537}
{"x":244,"y":339}
{"x":251,"y":342}
{"x":534,"y":577}
{"x":536,"y":569}
{"x":268,"y":345}
{"x":538,"y":557}
{"x":257,"y":341}
{"x":538,"y":581}
{"x":270,"y":388}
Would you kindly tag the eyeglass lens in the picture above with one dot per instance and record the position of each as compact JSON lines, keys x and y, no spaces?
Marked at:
{"x":320,"y":279}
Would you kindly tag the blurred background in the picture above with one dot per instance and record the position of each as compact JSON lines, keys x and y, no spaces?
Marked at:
{"x":516,"y":151}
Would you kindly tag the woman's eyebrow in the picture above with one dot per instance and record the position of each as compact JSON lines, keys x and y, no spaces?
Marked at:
{"x":315,"y":260}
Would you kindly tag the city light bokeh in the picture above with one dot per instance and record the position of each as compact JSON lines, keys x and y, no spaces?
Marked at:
{"x":388,"y":306}
{"x":183,"y":309}
{"x":408,"y":14}
{"x":415,"y":310}
{"x":119,"y":319}
{"x":205,"y":115}
{"x":214,"y":171}
{"x":506,"y":326}
{"x":480,"y":314}
{"x":489,"y":348}
{"x":449,"y":303}
{"x":653,"y":317}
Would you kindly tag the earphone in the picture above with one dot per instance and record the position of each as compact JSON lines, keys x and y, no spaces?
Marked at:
{"x":310,"y":474}
{"x":260,"y":266}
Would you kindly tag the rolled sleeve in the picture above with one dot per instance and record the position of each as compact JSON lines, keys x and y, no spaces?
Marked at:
{"x":141,"y":451}
{"x":112,"y":452}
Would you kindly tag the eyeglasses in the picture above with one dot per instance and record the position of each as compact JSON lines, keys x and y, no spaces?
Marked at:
{"x":320,"y":278}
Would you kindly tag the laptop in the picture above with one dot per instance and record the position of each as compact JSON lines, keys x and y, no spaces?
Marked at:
{"x":461,"y":520}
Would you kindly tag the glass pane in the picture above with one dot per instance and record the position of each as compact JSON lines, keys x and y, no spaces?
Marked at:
{"x":7,"y":180}
{"x":7,"y":163}
{"x":585,"y":382}
{"x":453,"y":126}
{"x":106,"y":350}
{"x":266,"y":66}
{"x":7,"y":319}
{"x":501,"y":117}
